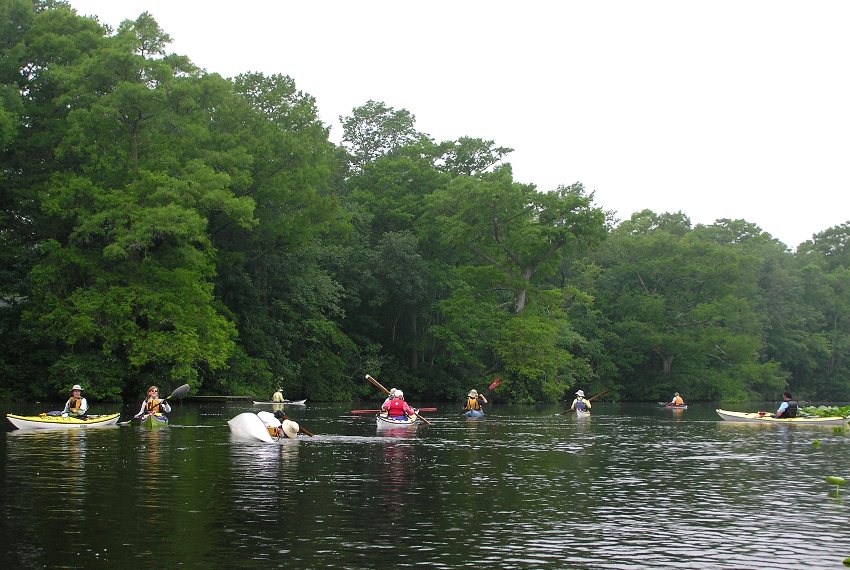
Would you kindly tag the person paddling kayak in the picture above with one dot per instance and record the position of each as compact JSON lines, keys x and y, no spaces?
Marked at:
{"x":677,"y":400}
{"x":152,"y":404}
{"x":581,"y":403}
{"x":788,"y":407}
{"x":474,"y":401}
{"x":76,"y":406}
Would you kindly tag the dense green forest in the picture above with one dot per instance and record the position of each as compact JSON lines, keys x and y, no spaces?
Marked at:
{"x":162,"y":224}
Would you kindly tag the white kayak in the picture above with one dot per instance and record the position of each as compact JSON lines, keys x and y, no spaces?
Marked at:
{"x":283,"y":403}
{"x":756,"y":417}
{"x":582,"y":414}
{"x":45,"y":421}
{"x":249,"y":426}
{"x":386,"y":421}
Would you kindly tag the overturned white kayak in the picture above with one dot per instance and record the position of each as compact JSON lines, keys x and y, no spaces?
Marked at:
{"x":249,"y":426}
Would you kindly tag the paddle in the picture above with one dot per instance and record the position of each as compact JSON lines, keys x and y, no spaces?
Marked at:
{"x":377,"y":385}
{"x":178,"y":392}
{"x":363,"y":412}
{"x":589,"y":400}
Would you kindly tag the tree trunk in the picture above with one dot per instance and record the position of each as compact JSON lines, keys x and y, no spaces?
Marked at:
{"x":414,"y":354}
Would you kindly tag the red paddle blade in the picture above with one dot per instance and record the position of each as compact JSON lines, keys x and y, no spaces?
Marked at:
{"x":495,"y":383}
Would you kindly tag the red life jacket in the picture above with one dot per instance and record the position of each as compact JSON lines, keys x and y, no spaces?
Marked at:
{"x":396,"y":408}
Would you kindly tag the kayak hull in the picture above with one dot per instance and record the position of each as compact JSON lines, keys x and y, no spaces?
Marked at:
{"x":474,"y":414}
{"x":43,"y":421}
{"x":386,"y":421}
{"x":582,"y":414}
{"x":249,"y":426}
{"x":154,"y":421}
{"x":673,"y":406}
{"x":756,"y":418}
{"x":283,"y":403}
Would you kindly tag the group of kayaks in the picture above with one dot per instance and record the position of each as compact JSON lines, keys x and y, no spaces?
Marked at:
{"x":48,"y":421}
{"x":56,"y":421}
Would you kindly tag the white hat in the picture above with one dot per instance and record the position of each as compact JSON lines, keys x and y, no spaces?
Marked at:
{"x":473,"y":393}
{"x":76,"y":387}
{"x":269,"y":419}
{"x":580,"y":393}
{"x":399,"y":394}
{"x":290,"y":428}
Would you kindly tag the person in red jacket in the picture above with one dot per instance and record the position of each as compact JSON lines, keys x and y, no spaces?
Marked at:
{"x":397,"y":407}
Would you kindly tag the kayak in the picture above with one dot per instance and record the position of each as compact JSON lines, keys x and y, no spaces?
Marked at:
{"x":386,"y":421}
{"x":582,"y":413}
{"x":756,"y":417}
{"x":474,"y":414}
{"x":44,"y":421}
{"x":285,"y":403}
{"x":154,"y":421}
{"x":670,"y":406}
{"x":249,"y":426}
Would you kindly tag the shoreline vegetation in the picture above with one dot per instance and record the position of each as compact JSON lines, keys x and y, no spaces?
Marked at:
{"x":165,"y":225}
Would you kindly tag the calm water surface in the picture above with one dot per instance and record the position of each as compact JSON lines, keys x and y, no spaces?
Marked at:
{"x":632,"y":486}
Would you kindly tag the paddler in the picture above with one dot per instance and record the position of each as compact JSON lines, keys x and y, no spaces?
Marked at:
{"x":788,"y":407}
{"x":677,"y":400}
{"x":397,"y":407}
{"x":152,"y":404}
{"x":76,"y":406}
{"x":278,"y":396}
{"x":474,"y":401}
{"x":581,"y":403}
{"x":288,"y":428}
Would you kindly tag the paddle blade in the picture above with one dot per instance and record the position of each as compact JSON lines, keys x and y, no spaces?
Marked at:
{"x":495,"y":384}
{"x":357,"y":412}
{"x":179,"y":392}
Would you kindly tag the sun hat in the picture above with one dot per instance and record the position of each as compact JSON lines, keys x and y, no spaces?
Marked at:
{"x":399,"y":394}
{"x":76,"y":387}
{"x":290,"y":428}
{"x":580,"y":393}
{"x":676,"y":394}
{"x":473,"y":393}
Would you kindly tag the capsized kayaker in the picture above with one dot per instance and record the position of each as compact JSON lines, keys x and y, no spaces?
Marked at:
{"x":677,"y":400}
{"x":580,"y":403}
{"x":278,"y":396}
{"x":76,"y":406}
{"x":474,"y":401}
{"x":397,"y":407}
{"x":152,"y":404}
{"x":287,"y":428}
{"x":788,"y":407}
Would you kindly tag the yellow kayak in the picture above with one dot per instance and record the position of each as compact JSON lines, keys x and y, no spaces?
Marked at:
{"x":756,"y":417}
{"x":44,"y":421}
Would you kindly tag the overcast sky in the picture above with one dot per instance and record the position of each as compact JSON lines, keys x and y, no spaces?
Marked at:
{"x":719,"y":109}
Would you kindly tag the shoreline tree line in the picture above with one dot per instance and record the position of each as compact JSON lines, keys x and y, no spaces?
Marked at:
{"x":161,"y":224}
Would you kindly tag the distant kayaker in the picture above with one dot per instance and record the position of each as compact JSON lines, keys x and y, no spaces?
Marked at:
{"x":788,"y":407}
{"x":76,"y":406}
{"x":474,"y":401}
{"x":152,"y":404}
{"x":397,"y":407}
{"x":278,"y":396}
{"x":581,"y":403}
{"x":677,"y":400}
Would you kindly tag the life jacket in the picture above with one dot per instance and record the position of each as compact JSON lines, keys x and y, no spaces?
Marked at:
{"x":580,"y":405}
{"x":472,"y":404}
{"x":791,"y":410}
{"x":152,"y":406}
{"x":74,"y":405}
{"x":396,"y":408}
{"x":678,"y":401}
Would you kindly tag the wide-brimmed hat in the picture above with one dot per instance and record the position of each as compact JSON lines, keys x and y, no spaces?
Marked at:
{"x":473,"y":393}
{"x":580,"y":393}
{"x":290,"y":428}
{"x":76,"y":387}
{"x":676,"y":394}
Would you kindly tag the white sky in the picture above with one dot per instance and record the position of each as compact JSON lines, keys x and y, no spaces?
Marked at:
{"x":716,"y":108}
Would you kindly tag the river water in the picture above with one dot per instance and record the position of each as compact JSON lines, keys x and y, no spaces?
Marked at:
{"x":632,"y":486}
